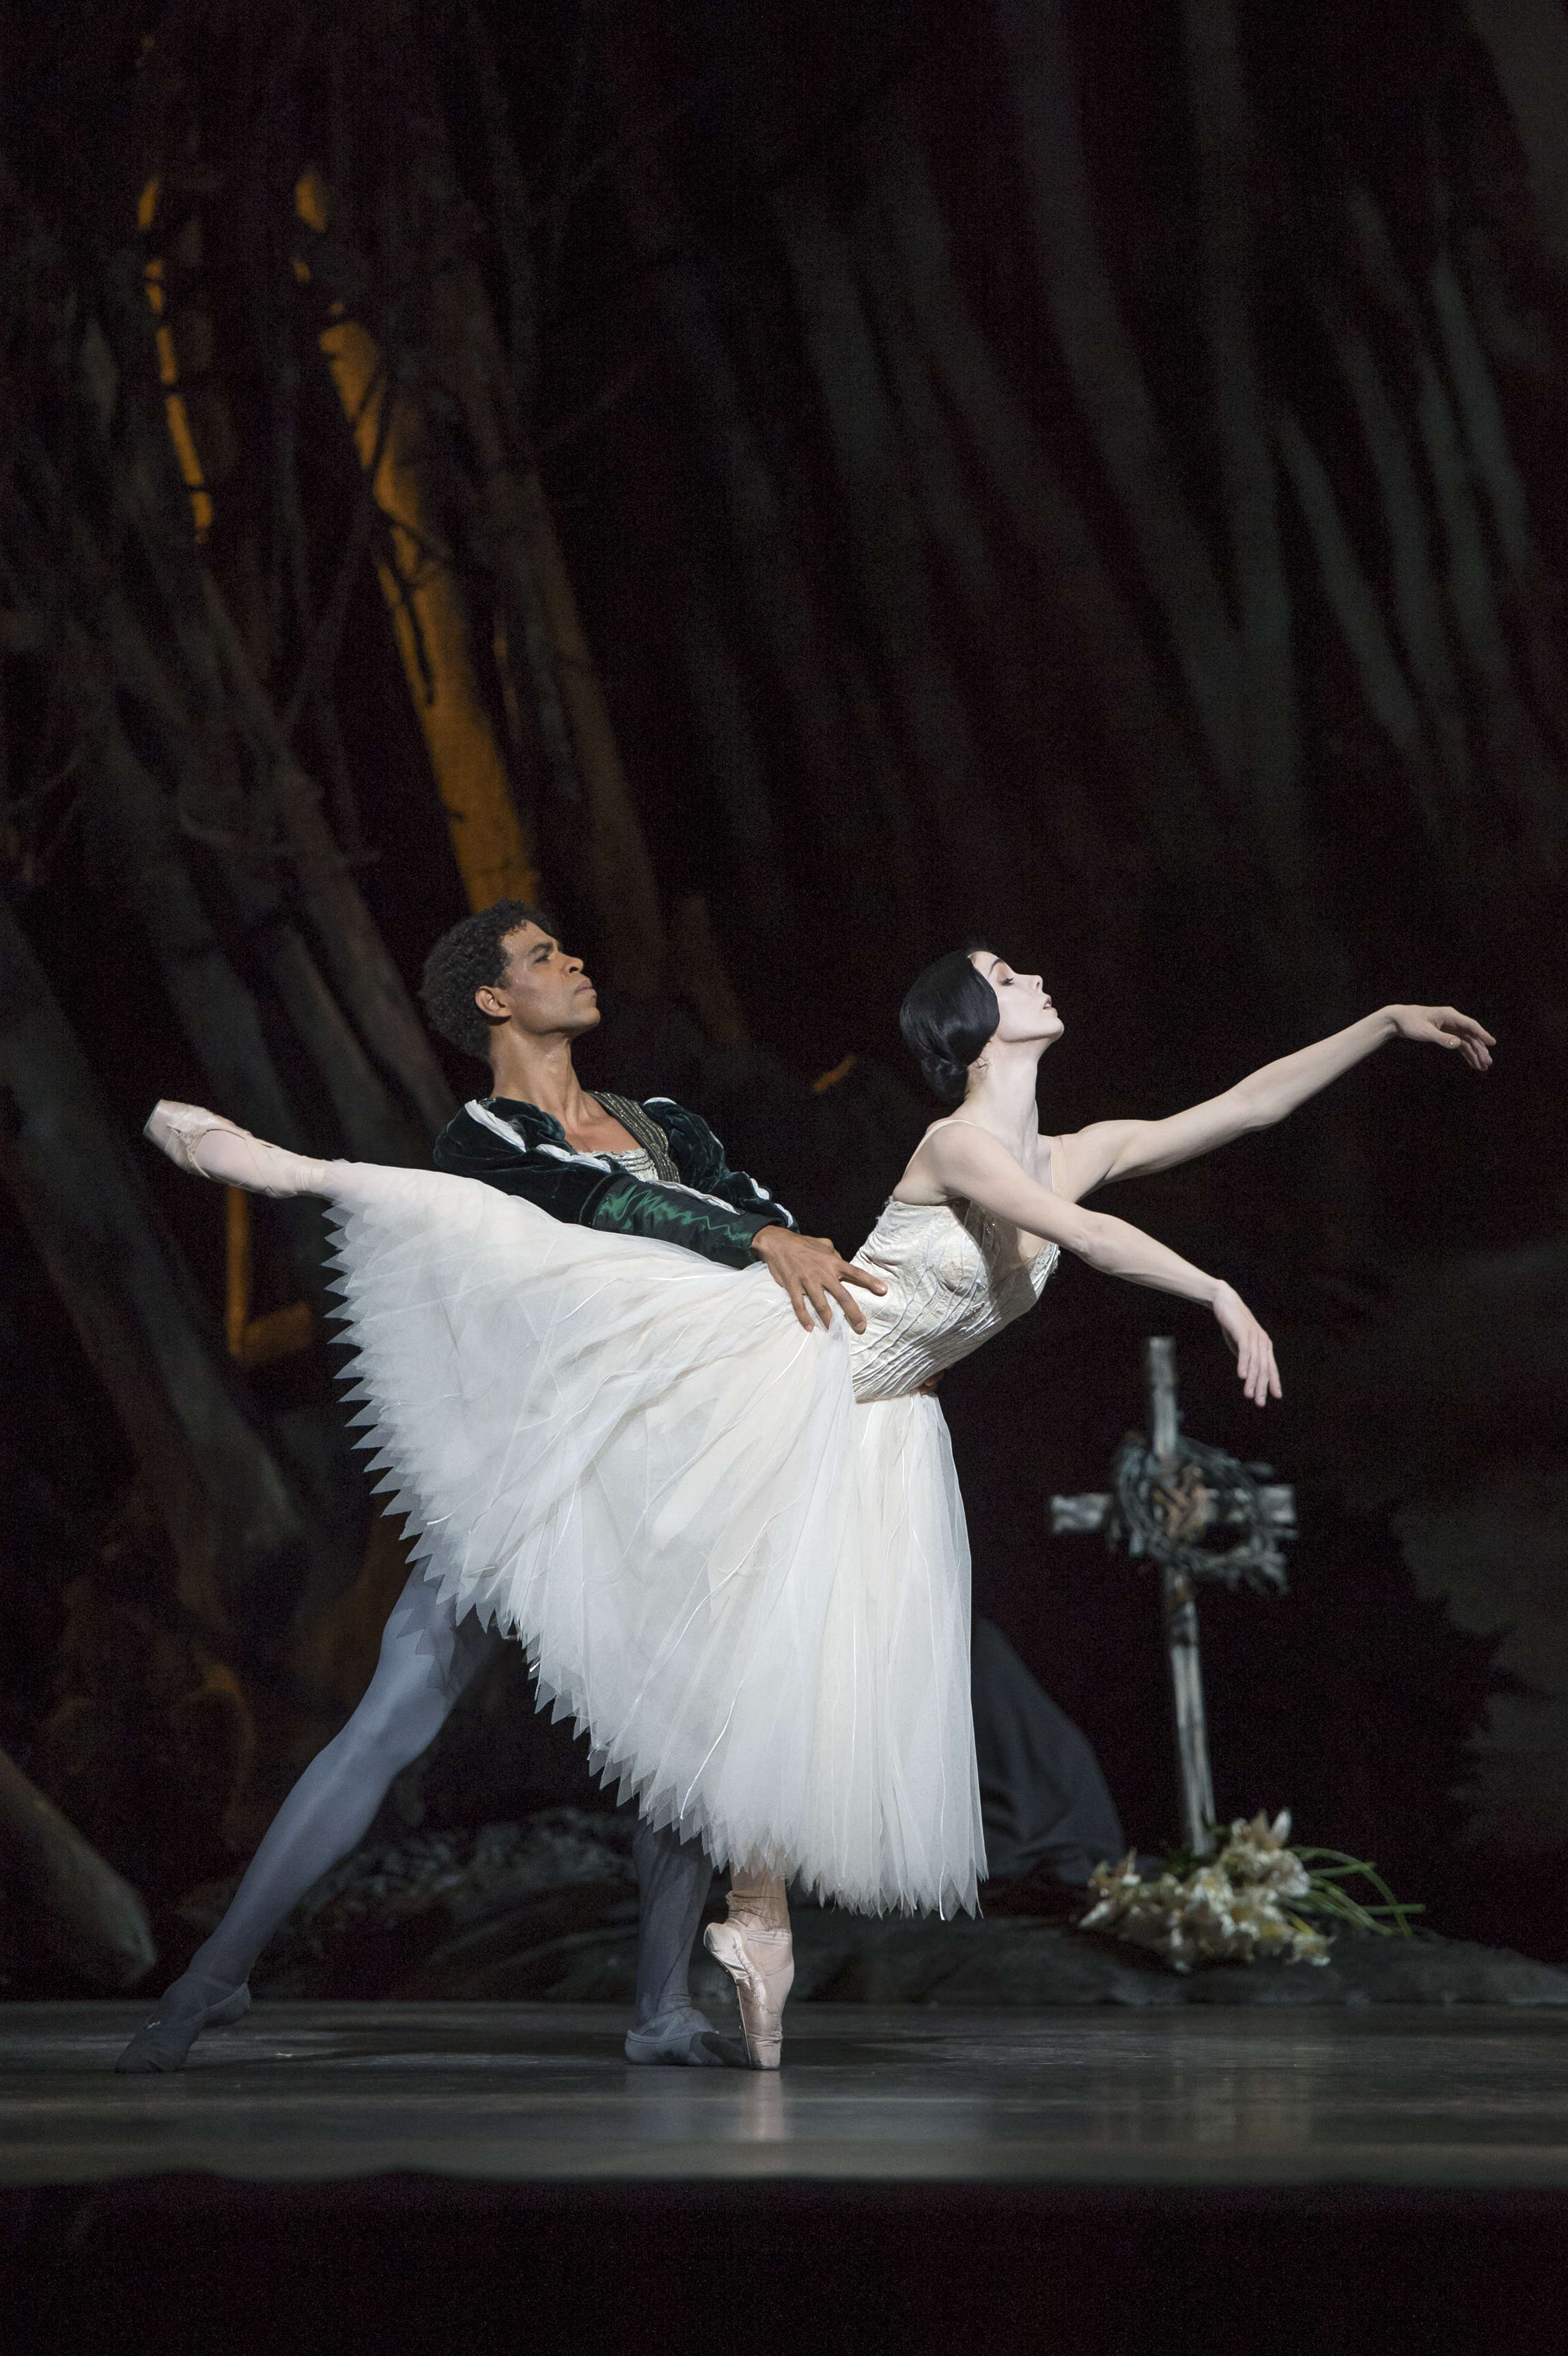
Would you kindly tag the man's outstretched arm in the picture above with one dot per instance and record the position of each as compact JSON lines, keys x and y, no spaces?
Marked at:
{"x":1107,"y":1150}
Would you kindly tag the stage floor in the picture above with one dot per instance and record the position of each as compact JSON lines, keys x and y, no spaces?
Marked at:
{"x":1474,"y":2100}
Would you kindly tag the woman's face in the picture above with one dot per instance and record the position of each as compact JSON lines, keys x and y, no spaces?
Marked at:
{"x":1024,"y":1002}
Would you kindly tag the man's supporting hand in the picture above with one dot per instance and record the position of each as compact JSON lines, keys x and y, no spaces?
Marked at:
{"x":812,"y":1274}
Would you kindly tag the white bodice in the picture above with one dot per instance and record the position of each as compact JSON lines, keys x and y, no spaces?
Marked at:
{"x":953,"y":1278}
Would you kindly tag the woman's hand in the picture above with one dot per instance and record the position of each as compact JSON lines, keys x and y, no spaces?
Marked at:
{"x":1445,"y":1026}
{"x":1254,"y":1351}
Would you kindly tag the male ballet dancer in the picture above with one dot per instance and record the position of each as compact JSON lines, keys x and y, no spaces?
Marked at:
{"x":499,"y":985}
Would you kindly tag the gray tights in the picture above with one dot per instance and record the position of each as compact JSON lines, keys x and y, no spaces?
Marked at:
{"x":428,"y":1657}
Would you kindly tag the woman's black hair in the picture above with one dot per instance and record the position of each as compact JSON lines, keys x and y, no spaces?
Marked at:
{"x":948,"y":1014}
{"x":471,"y":956}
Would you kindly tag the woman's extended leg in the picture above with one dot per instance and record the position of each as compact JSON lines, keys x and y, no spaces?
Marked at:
{"x":210,"y":1147}
{"x":427,"y":1657}
{"x":754,"y":1948}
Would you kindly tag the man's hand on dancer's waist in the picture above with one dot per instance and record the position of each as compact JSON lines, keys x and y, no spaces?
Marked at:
{"x":813,"y":1275}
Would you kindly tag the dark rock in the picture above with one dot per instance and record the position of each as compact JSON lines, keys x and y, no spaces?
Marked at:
{"x":463,"y":1903}
{"x":546,"y":1911}
{"x":1025,"y":1964}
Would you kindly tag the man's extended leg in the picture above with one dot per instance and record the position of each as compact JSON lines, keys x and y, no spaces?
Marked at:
{"x":673,"y":1878}
{"x":427,"y":1657}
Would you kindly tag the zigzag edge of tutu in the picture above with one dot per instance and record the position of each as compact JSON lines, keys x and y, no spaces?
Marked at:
{"x":610,"y":1767}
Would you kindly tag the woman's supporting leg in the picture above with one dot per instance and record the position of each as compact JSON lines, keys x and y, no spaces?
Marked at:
{"x":758,"y":1901}
{"x":427,"y":1657}
{"x":754,"y":1948}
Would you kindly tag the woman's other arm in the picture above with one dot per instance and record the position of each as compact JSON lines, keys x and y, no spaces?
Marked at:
{"x":1107,"y":1150}
{"x":975,"y":1167}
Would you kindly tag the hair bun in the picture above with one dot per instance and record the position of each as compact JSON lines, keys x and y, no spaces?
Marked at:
{"x":950,"y":1013}
{"x":944,"y":1078}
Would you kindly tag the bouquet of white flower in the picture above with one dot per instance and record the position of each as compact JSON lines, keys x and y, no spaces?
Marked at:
{"x":1249,"y":1899}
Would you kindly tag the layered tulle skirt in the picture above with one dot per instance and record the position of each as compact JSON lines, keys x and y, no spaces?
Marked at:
{"x":750,"y":1591}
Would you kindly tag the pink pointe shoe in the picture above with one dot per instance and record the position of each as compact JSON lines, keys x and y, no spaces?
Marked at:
{"x":762,"y":1965}
{"x":235,"y":1157}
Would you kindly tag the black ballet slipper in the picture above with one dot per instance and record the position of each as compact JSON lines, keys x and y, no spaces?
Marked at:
{"x":165,"y":2040}
{"x":683,"y":2041}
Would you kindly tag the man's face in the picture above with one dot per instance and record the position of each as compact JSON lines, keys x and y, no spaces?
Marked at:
{"x":545,"y":992}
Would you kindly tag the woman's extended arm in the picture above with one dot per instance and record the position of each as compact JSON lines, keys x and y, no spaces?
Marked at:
{"x":971,"y":1164}
{"x":1131,"y":1148}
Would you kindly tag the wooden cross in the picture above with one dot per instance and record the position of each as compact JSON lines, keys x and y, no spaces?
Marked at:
{"x":1168,"y":1492}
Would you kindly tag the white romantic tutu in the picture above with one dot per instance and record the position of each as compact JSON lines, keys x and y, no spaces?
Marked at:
{"x":751,"y":1592}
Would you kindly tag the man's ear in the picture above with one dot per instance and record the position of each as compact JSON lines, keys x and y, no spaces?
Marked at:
{"x":489,"y":1005}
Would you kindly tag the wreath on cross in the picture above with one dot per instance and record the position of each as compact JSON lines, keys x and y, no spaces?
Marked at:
{"x":1166,"y":1511}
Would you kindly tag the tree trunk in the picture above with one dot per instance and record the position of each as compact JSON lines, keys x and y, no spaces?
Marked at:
{"x":227,"y":700}
{"x":1081,"y":300}
{"x":885,"y":533}
{"x":464,"y":358}
{"x":1485,"y":431}
{"x":1103,"y":642}
{"x":1418,"y":608}
{"x":781,"y":604}
{"x":952,"y":525}
{"x":430,"y":622}
{"x":372,"y":988}
{"x":1515,"y":740}
{"x":1354,"y":604}
{"x":372,"y":1126}
{"x":1027,"y":707}
{"x":758,"y":877}
{"x":619,"y":876}
{"x":1537,"y":603}
{"x":1225,"y":179}
{"x":1528,"y":43}
{"x":209,"y":803}
{"x":698,"y":975}
{"x":216,"y":1011}
{"x":92,"y":1220}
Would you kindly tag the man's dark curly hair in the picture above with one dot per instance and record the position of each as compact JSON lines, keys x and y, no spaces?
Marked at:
{"x":464,"y":959}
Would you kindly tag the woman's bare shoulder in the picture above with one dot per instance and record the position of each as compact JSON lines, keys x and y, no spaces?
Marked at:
{"x":921,"y":1185}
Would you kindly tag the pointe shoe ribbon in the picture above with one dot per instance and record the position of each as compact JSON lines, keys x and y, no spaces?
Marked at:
{"x":163,"y":2042}
{"x":762,"y":1965}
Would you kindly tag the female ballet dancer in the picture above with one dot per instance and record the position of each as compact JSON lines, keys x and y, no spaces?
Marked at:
{"x":734,"y":1547}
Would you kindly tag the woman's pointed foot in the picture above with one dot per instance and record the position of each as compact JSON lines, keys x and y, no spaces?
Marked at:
{"x":210,"y":1147}
{"x":188,"y":2006}
{"x":762,"y":1965}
